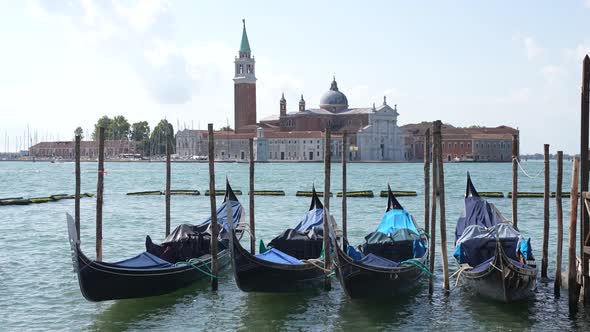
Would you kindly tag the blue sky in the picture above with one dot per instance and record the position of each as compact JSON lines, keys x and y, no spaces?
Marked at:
{"x":65,"y":64}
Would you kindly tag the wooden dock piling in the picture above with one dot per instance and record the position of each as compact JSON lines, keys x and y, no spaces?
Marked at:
{"x":441,"y":200}
{"x":326,"y":217}
{"x":572,"y":270}
{"x":559,"y":213}
{"x":432,"y":244}
{"x":168,"y":179}
{"x":427,"y":144}
{"x":344,"y":153}
{"x":99,"y":193}
{"x":251,"y":198}
{"x":515,"y":180}
{"x":546,"y":193}
{"x":214,"y":284}
{"x":77,"y":194}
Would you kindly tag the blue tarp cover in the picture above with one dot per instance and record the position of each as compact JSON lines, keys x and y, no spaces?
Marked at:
{"x":277,"y":256}
{"x":394,"y":220}
{"x":478,"y":212}
{"x":313,"y":218}
{"x":377,"y":261}
{"x":145,"y":260}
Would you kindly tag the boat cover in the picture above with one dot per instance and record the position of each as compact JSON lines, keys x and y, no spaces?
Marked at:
{"x":377,"y":261}
{"x":305,"y":240}
{"x":313,"y":218}
{"x":145,"y":260}
{"x":477,"y":244}
{"x":277,"y":256}
{"x":478,"y":212}
{"x":396,"y":219}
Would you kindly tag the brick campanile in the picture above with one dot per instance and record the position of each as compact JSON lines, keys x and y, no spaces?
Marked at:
{"x":244,"y":88}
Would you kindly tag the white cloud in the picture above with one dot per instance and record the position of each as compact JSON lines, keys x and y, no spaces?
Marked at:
{"x":531,"y":48}
{"x":587,"y":3}
{"x":553,"y":73}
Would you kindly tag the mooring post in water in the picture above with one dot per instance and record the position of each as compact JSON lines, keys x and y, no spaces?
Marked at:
{"x":99,"y":191}
{"x":344,"y":212}
{"x":515,"y":180}
{"x":427,"y":180}
{"x":432,"y":248}
{"x":327,"y":161}
{"x":211,"y":158}
{"x":441,"y":200}
{"x":545,"y":252}
{"x":77,"y":194}
{"x":251,"y":199}
{"x":559,"y":212}
{"x":585,"y":223}
{"x":572,"y":270}
{"x":168,"y":175}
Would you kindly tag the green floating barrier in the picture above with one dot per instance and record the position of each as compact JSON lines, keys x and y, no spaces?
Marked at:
{"x":10,"y":198}
{"x":495,"y":194}
{"x":269,"y":192}
{"x":15,"y":201}
{"x":526,"y":194}
{"x":563,"y":194}
{"x":365,"y":193}
{"x":86,"y":195}
{"x":398,"y":193}
{"x":62,"y":196}
{"x":37,"y":200}
{"x":309,"y":193}
{"x":143,"y":193}
{"x":185,"y":192}
{"x":222,"y":192}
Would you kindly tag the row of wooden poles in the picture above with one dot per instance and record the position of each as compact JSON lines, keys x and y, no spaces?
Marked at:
{"x":432,"y":191}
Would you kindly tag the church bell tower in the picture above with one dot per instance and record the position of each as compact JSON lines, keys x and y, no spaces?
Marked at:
{"x":244,"y":88}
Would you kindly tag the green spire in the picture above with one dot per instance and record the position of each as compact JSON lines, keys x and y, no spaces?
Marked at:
{"x":245,"y":45}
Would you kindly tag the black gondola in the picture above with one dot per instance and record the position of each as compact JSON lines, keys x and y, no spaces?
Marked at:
{"x":182,"y":259}
{"x":392,"y":260}
{"x":495,"y":260}
{"x":291,"y":264}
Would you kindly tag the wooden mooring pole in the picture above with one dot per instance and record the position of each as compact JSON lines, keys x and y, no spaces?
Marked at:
{"x":327,"y":161}
{"x":99,"y":193}
{"x":572,"y":270}
{"x":432,"y":248}
{"x":251,"y":199}
{"x":584,"y":169}
{"x":545,"y":252}
{"x":344,"y":152}
{"x":211,"y":158}
{"x":441,"y":200}
{"x":427,"y":145}
{"x":559,"y":213}
{"x":515,"y":180}
{"x":77,"y":194}
{"x":168,"y":179}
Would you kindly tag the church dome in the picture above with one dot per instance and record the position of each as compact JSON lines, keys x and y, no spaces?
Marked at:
{"x":334,"y":100}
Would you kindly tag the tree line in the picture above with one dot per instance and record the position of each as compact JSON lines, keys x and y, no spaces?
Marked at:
{"x":147,"y":142}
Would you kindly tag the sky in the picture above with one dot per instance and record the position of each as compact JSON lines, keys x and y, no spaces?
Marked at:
{"x":64,"y":64}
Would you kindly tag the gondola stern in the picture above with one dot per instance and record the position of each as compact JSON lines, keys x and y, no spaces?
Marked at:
{"x":392,"y":202}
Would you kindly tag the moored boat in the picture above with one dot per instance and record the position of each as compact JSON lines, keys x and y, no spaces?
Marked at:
{"x":290,"y":263}
{"x":180,"y":260}
{"x":495,"y":260}
{"x":392,"y":260}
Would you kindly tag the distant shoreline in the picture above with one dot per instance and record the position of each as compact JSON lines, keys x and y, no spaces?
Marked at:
{"x":259,"y":162}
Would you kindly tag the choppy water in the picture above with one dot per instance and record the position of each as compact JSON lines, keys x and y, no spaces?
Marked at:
{"x":38,"y":290}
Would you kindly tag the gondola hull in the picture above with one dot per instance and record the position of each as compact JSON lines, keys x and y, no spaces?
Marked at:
{"x":502,"y":280}
{"x":253,"y":274}
{"x":101,"y":282}
{"x":361,"y":281}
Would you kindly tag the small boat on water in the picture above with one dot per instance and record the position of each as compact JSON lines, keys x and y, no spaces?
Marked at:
{"x":495,"y":260}
{"x":392,"y":260}
{"x":180,"y":260}
{"x":291,"y":262}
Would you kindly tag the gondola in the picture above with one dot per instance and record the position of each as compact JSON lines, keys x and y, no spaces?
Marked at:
{"x":291,"y":261}
{"x":182,"y":259}
{"x":495,"y":260}
{"x":392,"y":260}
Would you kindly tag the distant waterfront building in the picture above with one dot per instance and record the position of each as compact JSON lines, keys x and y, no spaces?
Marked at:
{"x":462,"y":144}
{"x":88,"y":149}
